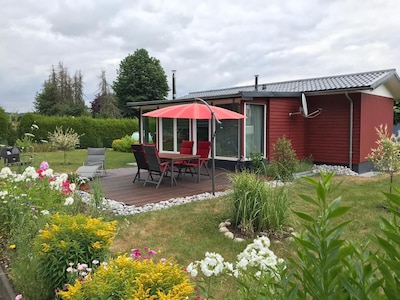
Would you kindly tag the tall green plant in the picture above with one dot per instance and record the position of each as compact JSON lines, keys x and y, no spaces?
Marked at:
{"x":389,"y":261}
{"x":386,"y":156}
{"x":284,"y":160}
{"x":325,"y":265}
{"x":257,"y":206}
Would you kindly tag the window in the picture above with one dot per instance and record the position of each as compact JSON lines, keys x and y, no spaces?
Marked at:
{"x":173,"y":132}
{"x":255,"y":133}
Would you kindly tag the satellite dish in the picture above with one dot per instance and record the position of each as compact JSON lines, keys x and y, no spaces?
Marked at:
{"x":304,"y":105}
{"x":303,"y":110}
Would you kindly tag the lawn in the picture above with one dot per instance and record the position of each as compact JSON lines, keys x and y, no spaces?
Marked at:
{"x":76,"y":158}
{"x":186,"y":232}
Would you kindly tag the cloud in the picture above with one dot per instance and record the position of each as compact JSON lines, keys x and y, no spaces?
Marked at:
{"x":211,"y":44}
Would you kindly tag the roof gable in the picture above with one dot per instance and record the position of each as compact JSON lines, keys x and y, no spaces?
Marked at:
{"x":357,"y":81}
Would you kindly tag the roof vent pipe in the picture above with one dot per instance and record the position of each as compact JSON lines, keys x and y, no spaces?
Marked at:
{"x":173,"y":85}
{"x":256,"y":82}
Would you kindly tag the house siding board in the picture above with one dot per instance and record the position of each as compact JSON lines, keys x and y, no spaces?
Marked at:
{"x":281,"y":124}
{"x":327,"y":138}
{"x":375,"y":110}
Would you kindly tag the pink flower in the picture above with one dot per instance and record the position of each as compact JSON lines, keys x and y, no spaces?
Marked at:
{"x":41,"y":173}
{"x":18,"y":297}
{"x":66,"y":189}
{"x":136,"y":253}
{"x":152,"y":252}
{"x":44,"y":165}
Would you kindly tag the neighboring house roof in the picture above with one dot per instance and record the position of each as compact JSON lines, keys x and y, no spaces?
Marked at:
{"x":348,"y":82}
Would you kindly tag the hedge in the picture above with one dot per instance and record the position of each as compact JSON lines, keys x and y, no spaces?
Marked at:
{"x":96,"y":132}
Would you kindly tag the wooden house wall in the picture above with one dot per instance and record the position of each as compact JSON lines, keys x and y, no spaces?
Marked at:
{"x":280,"y":124}
{"x":374,"y":111}
{"x":327,"y":135}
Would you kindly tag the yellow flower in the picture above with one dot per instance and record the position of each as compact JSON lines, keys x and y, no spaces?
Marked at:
{"x":96,"y":245}
{"x":12,"y":246}
{"x":45,"y":234}
{"x":62,"y":244}
{"x":46,"y":247}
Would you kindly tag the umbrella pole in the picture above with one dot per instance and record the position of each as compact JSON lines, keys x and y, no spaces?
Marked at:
{"x":212,"y":143}
{"x":212,"y":151}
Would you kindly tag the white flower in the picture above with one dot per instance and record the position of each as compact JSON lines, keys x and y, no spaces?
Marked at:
{"x":69,"y":201}
{"x":212,"y":264}
{"x":30,"y":173}
{"x":258,"y":256}
{"x":192,"y":269}
{"x":48,"y":173}
{"x":44,"y":212}
{"x":6,"y":172}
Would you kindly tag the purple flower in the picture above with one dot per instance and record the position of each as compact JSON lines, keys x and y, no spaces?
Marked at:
{"x":18,"y":297}
{"x":44,"y":165}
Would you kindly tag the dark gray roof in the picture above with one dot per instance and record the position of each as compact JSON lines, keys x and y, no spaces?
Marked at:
{"x":357,"y":81}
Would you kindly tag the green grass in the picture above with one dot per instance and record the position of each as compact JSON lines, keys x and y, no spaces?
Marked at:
{"x":76,"y":158}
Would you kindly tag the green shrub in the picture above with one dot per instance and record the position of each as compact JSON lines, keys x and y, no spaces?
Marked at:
{"x":258,"y":206}
{"x":123,"y":144}
{"x":129,"y":278}
{"x":258,"y":163}
{"x":71,"y":239}
{"x":284,"y":162}
{"x":97,"y":132}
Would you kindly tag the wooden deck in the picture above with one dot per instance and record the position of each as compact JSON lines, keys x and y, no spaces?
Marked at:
{"x":117,"y":185}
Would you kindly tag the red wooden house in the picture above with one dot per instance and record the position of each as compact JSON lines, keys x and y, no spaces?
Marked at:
{"x":329,"y":119}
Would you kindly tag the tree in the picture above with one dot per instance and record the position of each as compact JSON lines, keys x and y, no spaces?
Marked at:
{"x":61,"y":94}
{"x":5,"y":127}
{"x":64,"y":141}
{"x":105,"y":103}
{"x":139,"y":78}
{"x":386,"y":157}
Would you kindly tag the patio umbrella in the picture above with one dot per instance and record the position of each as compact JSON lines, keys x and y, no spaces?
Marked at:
{"x":198,"y":111}
{"x":195,"y":111}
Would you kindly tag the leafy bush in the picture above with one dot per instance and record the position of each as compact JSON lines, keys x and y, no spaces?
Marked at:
{"x":123,"y":144}
{"x":127,"y":277}
{"x":71,"y":239}
{"x":386,"y":157}
{"x":257,"y":206}
{"x":284,"y":160}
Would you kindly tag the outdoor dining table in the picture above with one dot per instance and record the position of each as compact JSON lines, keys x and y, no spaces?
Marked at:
{"x":173,"y":157}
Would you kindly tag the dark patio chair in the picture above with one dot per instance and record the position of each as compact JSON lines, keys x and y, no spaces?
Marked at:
{"x":156,"y":167}
{"x":203,"y":150}
{"x":12,"y":156}
{"x":141,"y":162}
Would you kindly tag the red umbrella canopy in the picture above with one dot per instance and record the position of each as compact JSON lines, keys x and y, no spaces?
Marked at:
{"x":193,"y":111}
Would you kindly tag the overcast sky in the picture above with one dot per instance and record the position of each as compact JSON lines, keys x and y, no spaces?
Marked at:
{"x":211,"y":43}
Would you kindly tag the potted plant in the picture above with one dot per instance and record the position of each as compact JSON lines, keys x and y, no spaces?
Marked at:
{"x":81,"y":182}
